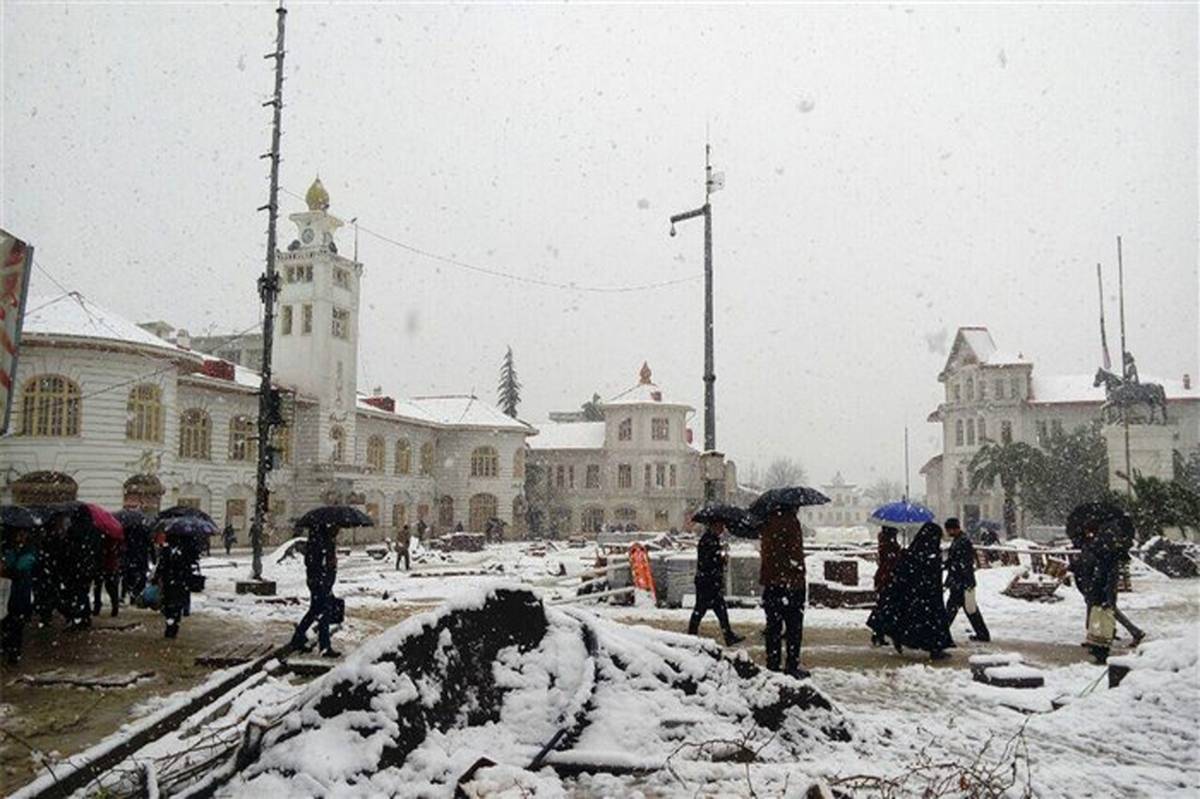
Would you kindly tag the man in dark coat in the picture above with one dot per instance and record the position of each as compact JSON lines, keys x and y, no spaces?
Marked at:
{"x":137,"y":561}
{"x":174,"y":567}
{"x":320,"y":567}
{"x":108,"y":576}
{"x":403,"y":541}
{"x":888,"y":557}
{"x":781,"y":574}
{"x":81,"y":566}
{"x":910,"y":611}
{"x":18,"y":563}
{"x":49,"y":589}
{"x":710,"y":583}
{"x":1097,"y":571}
{"x":229,"y":537}
{"x":960,"y":581}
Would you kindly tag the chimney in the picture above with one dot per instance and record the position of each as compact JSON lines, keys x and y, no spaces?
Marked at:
{"x":381,"y":402}
{"x":221,"y":370}
{"x":183,"y":340}
{"x":1187,"y":382}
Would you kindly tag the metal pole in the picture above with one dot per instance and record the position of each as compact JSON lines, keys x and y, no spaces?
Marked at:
{"x":268,"y":289}
{"x":906,"y":465}
{"x":1124,"y":410}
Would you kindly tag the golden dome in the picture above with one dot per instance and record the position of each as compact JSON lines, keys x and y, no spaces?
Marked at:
{"x":316,"y":197}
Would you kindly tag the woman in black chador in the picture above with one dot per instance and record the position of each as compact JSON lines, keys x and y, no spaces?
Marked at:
{"x":910,"y":611}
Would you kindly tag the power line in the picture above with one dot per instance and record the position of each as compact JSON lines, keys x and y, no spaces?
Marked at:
{"x":497,"y":273}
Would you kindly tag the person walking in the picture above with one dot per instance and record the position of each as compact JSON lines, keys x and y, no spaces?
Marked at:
{"x":888,"y":557}
{"x":782,"y":576}
{"x":403,"y":539}
{"x":171,"y":576}
{"x":229,"y":537}
{"x":710,"y":583}
{"x":108,"y":574}
{"x":910,"y":612}
{"x":320,"y":567}
{"x":17,"y":564}
{"x":960,"y":581}
{"x":81,"y":568}
{"x":136,"y":562}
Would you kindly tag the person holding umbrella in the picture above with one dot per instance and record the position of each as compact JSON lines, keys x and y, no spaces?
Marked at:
{"x":17,"y":564}
{"x":136,"y":561}
{"x":960,"y":581}
{"x":171,"y":575}
{"x":910,"y":612}
{"x":888,"y":557}
{"x":320,"y":568}
{"x":710,"y":571}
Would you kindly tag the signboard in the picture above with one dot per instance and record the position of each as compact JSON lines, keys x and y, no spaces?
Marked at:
{"x":16,"y":266}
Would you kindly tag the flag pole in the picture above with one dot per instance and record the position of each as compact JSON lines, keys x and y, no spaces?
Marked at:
{"x":1124,"y":352}
{"x":906,"y":465}
{"x":1103,"y":333}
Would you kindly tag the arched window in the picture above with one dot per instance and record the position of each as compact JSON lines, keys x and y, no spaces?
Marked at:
{"x":446,"y":512}
{"x":403,"y":456}
{"x":519,"y":463}
{"x":243,"y":439}
{"x":625,"y":430}
{"x":625,"y":514}
{"x":195,"y":435}
{"x":338,"y":436}
{"x":427,"y":458}
{"x":958,"y":433}
{"x":144,"y":414}
{"x":593,"y":519}
{"x":482,"y":508}
{"x":50,"y":407}
{"x":281,"y":440}
{"x":485,"y":462}
{"x":375,"y":453}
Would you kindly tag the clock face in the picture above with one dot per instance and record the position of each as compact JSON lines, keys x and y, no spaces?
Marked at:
{"x":307,"y":235}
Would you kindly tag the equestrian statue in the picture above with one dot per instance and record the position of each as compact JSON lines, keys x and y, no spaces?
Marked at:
{"x":1126,"y":392}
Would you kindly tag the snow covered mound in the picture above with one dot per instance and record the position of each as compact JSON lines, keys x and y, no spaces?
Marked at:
{"x":500,"y":676}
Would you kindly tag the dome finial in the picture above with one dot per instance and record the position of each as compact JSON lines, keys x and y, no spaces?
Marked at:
{"x":316,"y":197}
{"x":644,"y":374}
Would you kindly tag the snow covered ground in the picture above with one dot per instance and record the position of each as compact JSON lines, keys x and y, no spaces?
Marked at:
{"x":908,"y":717}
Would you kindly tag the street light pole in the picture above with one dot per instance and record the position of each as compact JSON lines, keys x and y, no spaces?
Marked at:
{"x":711,"y":183}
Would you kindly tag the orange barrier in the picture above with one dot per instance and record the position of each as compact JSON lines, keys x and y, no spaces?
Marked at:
{"x":639,"y":565}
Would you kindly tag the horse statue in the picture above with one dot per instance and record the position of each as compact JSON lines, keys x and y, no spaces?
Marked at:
{"x":1123,"y":396}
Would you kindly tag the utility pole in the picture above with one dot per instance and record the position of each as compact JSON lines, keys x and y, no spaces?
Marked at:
{"x":269,"y":415}
{"x":712,"y":182}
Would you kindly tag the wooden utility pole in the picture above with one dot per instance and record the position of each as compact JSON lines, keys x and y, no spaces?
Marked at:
{"x":269,"y":415}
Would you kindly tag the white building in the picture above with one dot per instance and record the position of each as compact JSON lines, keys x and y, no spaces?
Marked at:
{"x":638,"y":466}
{"x":847,"y":507}
{"x":110,"y":413}
{"x":993,"y":395}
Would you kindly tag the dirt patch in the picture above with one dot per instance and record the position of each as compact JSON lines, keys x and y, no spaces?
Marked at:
{"x":65,"y":720}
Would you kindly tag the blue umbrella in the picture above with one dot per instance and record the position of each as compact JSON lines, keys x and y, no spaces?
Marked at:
{"x":902,"y":514}
{"x":189,"y":526}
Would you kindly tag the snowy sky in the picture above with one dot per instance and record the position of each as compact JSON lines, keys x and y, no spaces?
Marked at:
{"x":892,"y":172}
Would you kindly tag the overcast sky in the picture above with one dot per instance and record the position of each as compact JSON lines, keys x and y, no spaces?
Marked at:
{"x":893,"y":172}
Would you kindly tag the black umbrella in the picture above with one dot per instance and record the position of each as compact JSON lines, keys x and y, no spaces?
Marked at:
{"x":133,"y":520}
{"x":192,"y":526}
{"x":180,"y":511}
{"x":718,"y":512}
{"x":334,"y":516}
{"x":1112,"y":524}
{"x":18,"y":517}
{"x":788,"y":498}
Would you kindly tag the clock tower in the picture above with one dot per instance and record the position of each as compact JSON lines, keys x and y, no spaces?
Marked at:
{"x":316,"y":340}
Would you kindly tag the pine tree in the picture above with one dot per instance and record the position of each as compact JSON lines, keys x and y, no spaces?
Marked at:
{"x":509,"y":391}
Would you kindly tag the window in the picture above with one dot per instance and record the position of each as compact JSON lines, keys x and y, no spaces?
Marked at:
{"x":285,"y":320}
{"x":485,"y":462}
{"x":403,"y":456}
{"x":624,"y":476}
{"x":591,"y":478}
{"x":375,"y":453}
{"x":982,"y":389}
{"x":281,"y":442}
{"x":625,"y":515}
{"x":50,"y":407}
{"x":625,"y":430}
{"x":570,"y":477}
{"x":1014,"y":388}
{"x":242,"y":439}
{"x":660,"y":475}
{"x":519,"y":463}
{"x":144,"y":414}
{"x":195,"y":435}
{"x":970,"y":389}
{"x":306,"y":317}
{"x":341,"y":278}
{"x":298,"y":274}
{"x":1006,"y":432}
{"x":399,"y":515}
{"x":981,"y":429}
{"x":970,"y":432}
{"x":427,"y":458}
{"x":660,"y":429}
{"x":999,"y":388}
{"x":593,"y":519}
{"x":340,"y":326}
{"x":672,"y":482}
{"x":646,"y":471}
{"x":480,"y":509}
{"x":338,"y":436}
{"x":957,"y":393}
{"x":958,"y":433}
{"x":561,"y":476}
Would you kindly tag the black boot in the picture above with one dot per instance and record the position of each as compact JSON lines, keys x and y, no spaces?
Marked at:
{"x":732,"y":638}
{"x":980,"y":628}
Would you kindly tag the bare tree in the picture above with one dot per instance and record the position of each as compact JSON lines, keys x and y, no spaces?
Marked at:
{"x":783,"y":472}
{"x":884,"y":490}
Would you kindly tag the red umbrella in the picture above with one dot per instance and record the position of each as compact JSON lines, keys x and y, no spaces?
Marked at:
{"x":105,"y":522}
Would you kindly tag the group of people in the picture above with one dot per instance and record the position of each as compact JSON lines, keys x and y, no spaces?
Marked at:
{"x":919,"y":592}
{"x":61,"y":563}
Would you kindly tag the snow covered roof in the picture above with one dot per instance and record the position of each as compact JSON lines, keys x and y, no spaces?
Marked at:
{"x":71,"y":315}
{"x":1071,"y":389}
{"x":979,"y":340}
{"x":569,"y":435}
{"x":466,"y":410}
{"x":644,"y":393}
{"x":982,"y":350}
